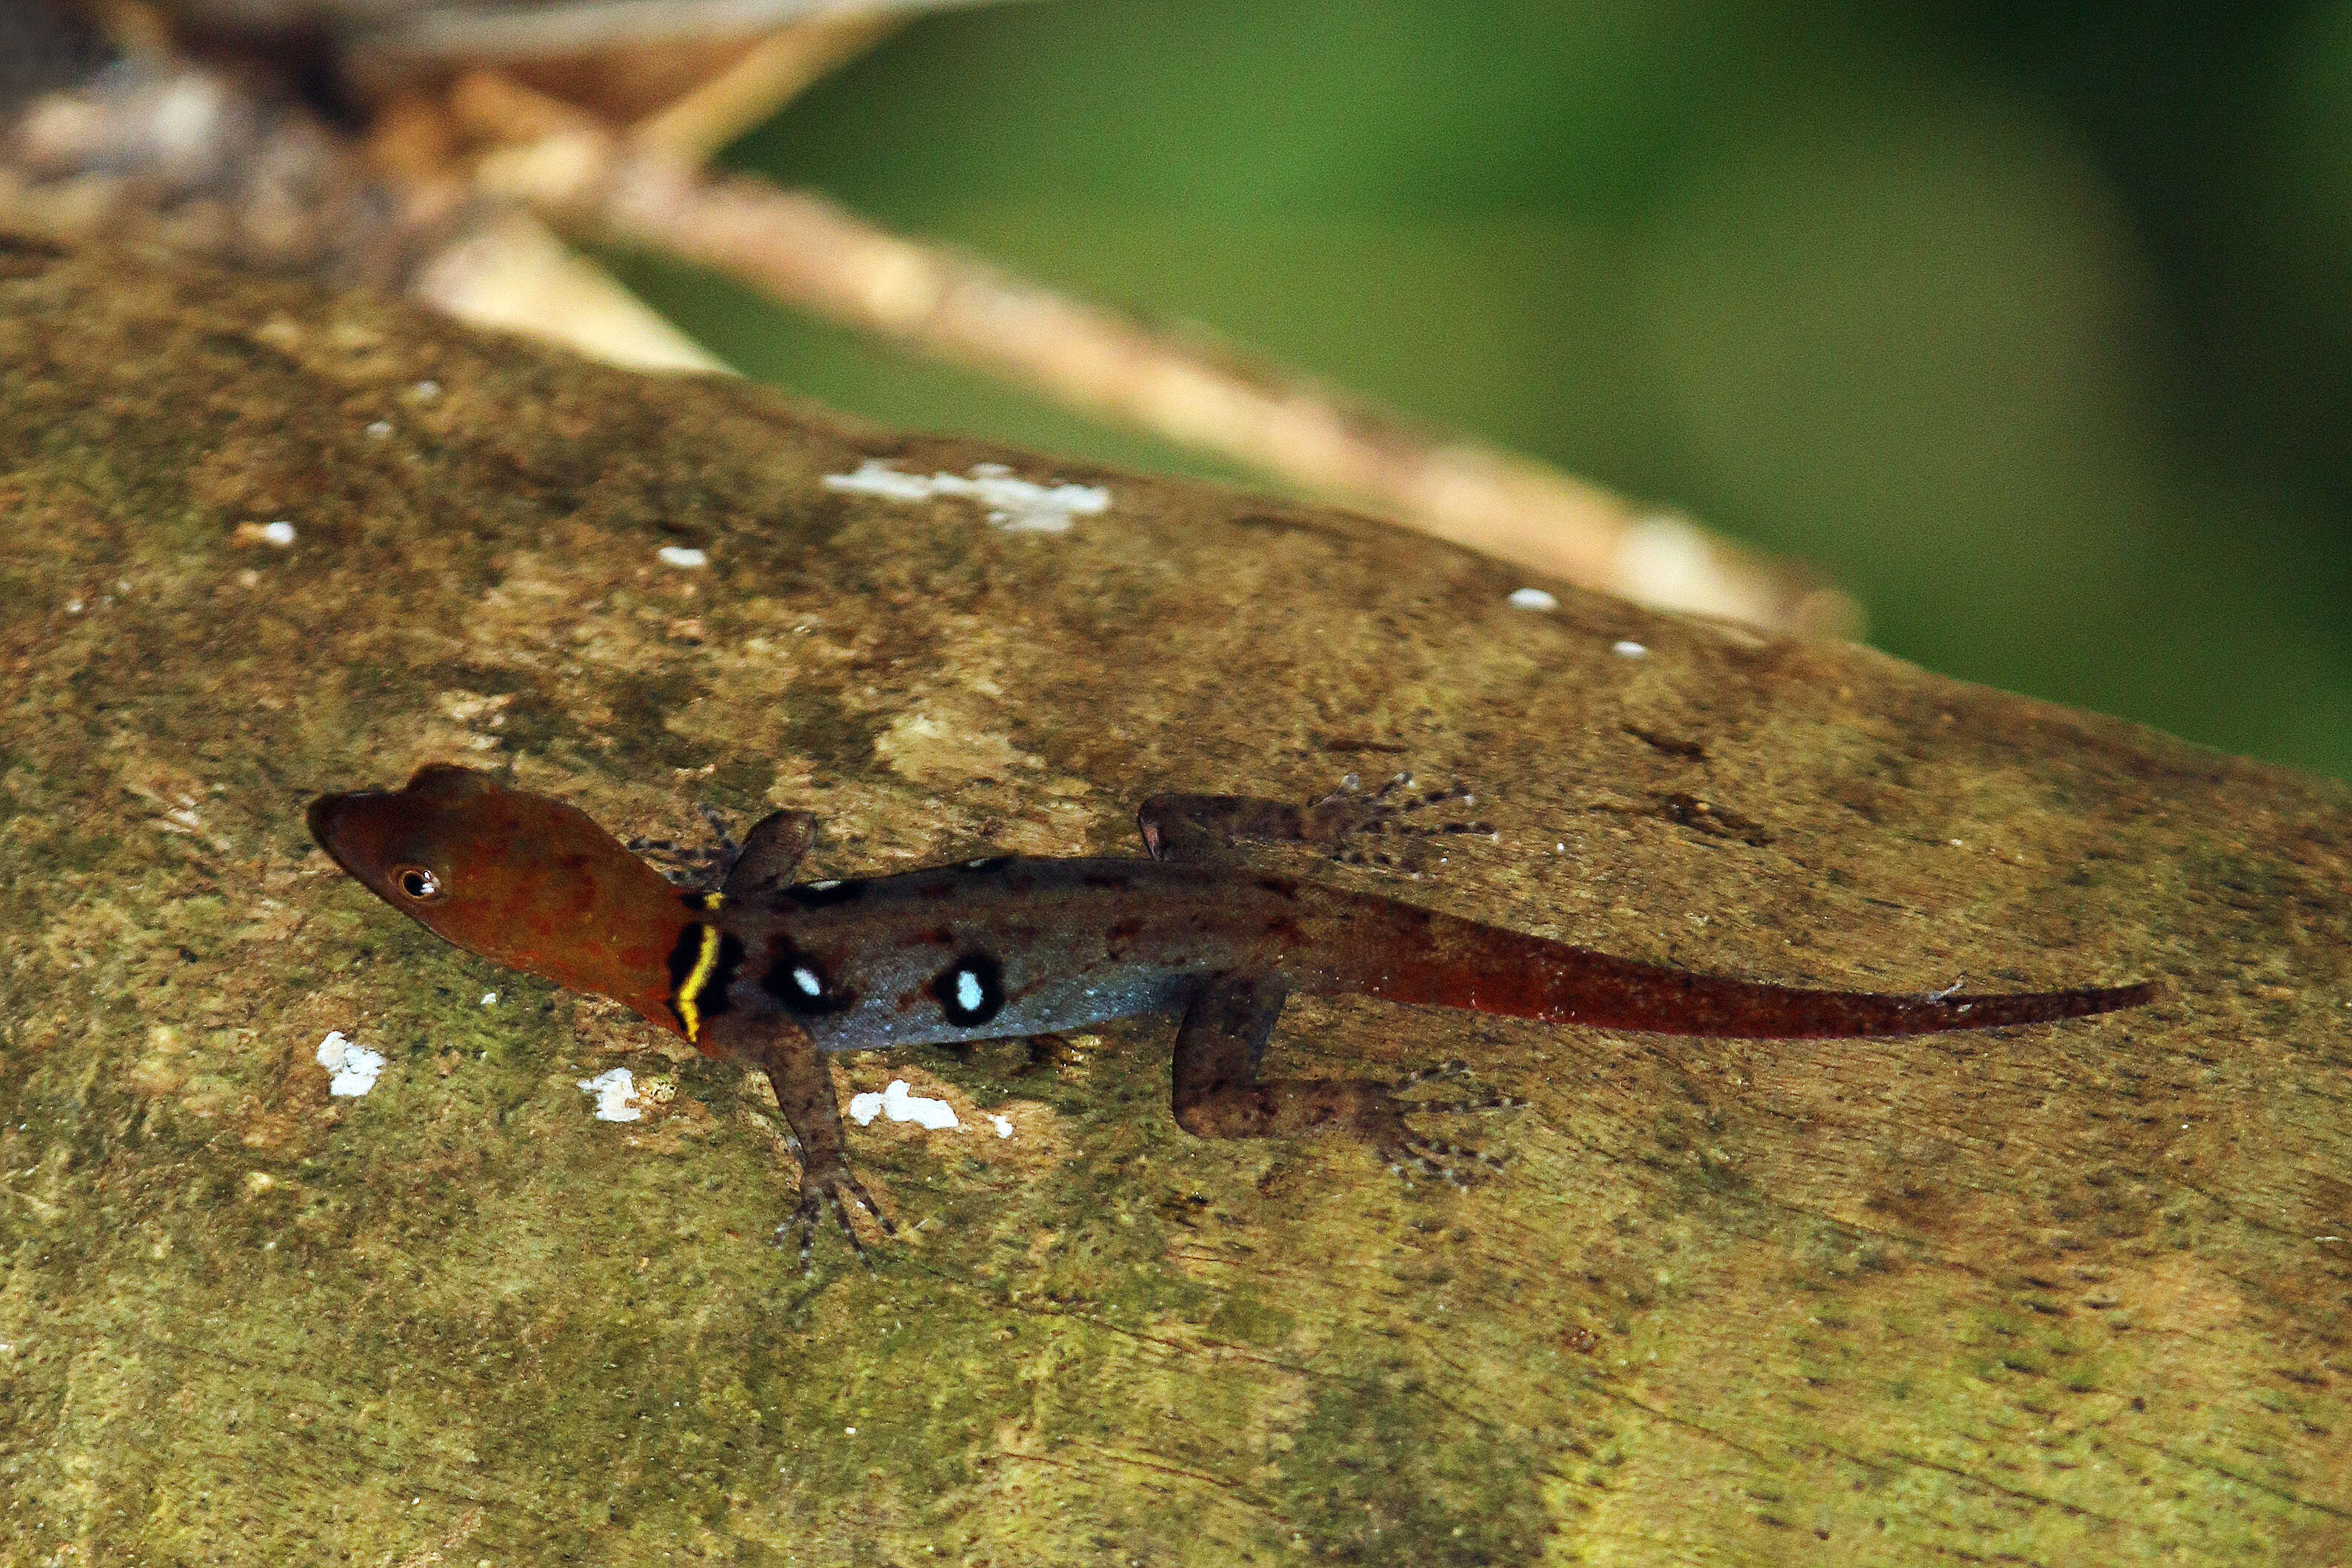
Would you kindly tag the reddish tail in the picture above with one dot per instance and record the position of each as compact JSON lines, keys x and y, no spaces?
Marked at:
{"x":1447,"y":962}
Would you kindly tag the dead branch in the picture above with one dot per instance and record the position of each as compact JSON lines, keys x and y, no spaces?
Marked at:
{"x":810,"y":253}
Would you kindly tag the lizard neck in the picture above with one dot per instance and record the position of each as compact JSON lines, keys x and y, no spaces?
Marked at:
{"x":620,"y":931}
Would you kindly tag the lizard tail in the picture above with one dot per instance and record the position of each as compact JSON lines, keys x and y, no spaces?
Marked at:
{"x":1450,"y":962}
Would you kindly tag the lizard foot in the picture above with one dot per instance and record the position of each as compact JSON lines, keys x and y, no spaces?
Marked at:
{"x":832,"y":1188}
{"x":1393,"y":811}
{"x":1409,"y":1153}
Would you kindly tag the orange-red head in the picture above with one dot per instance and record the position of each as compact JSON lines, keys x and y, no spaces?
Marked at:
{"x":523,"y":880}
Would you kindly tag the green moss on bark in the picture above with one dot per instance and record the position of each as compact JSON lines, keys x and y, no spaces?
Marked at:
{"x":2067,"y":1294}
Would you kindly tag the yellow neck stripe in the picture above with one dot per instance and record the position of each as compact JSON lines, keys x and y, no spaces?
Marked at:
{"x":706,"y":959}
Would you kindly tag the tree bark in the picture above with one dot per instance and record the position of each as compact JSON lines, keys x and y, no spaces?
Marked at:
{"x":2062,"y":1295}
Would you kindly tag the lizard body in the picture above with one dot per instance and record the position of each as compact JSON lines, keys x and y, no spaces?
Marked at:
{"x":774,"y":974}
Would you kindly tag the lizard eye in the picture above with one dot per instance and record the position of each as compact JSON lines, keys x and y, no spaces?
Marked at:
{"x":416,"y":882}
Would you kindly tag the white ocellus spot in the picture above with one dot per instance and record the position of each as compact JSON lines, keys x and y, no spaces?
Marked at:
{"x":810,"y":983}
{"x":970,"y":992}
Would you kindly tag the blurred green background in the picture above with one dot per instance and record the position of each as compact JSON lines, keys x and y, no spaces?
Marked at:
{"x":2029,"y":323}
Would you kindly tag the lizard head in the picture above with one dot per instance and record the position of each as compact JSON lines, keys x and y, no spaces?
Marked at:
{"x":523,"y":880}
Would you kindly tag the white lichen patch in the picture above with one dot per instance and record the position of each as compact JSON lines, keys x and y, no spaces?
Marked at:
{"x":950,"y":741}
{"x":1004,"y":1125}
{"x":1626,"y":648}
{"x":684,"y":557}
{"x":474,"y":707}
{"x":1015,"y":503}
{"x":1533,"y":599}
{"x":353,"y":1067}
{"x":901,"y":1105}
{"x":613,"y":1088}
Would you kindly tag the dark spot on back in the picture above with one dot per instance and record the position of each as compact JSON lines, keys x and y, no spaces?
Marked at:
{"x":782,"y":979}
{"x":1114,"y":880}
{"x":970,"y":991}
{"x":1281,"y":887}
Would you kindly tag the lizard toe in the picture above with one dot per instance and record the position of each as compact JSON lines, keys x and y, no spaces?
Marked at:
{"x":837,"y":1191}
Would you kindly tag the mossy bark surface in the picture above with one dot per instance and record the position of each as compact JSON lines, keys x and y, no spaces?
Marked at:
{"x":2058,"y":1295}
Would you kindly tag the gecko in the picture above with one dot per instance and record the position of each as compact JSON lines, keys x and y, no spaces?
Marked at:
{"x":774,"y":975}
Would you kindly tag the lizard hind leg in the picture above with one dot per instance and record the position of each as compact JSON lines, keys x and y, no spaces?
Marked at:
{"x":1437,"y":1158}
{"x":1342,"y":820}
{"x":1209,"y":828}
{"x":1218,"y":1092}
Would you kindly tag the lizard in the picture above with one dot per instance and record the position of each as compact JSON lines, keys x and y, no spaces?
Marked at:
{"x":774,"y":975}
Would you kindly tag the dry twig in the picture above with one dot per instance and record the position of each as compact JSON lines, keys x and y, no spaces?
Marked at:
{"x":810,"y":253}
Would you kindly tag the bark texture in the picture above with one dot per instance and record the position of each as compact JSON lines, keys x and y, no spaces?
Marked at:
{"x":2061,"y":1295}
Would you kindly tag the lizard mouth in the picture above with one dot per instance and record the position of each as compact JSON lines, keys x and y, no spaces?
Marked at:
{"x":326,"y":819}
{"x":355,"y":831}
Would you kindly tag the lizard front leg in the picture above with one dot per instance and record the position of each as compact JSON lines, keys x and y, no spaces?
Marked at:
{"x":796,"y":1069}
{"x":764,"y":862}
{"x":773,"y":850}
